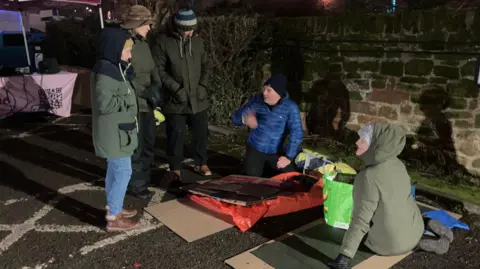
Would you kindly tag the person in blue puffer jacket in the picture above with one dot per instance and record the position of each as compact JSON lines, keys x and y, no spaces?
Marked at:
{"x":271,"y":115}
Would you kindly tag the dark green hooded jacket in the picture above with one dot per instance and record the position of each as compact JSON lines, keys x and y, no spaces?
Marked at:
{"x":384,"y":209}
{"x":114,"y":105}
{"x":184,"y":71}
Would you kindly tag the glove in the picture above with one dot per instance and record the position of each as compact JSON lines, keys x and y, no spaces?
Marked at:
{"x":341,"y":262}
{"x":159,"y":116}
{"x":153,"y":95}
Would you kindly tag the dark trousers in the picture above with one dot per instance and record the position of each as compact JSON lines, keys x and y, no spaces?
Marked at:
{"x":256,"y":161}
{"x":143,"y":156}
{"x":198,"y":125}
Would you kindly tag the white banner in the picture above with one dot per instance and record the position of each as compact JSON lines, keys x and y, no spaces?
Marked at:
{"x":37,"y":93}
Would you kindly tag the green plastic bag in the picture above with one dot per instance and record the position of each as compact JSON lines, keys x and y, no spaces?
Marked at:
{"x":338,"y":199}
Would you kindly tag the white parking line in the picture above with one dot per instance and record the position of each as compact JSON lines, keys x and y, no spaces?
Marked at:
{"x":19,"y":230}
{"x":115,"y":239}
{"x":68,"y":229}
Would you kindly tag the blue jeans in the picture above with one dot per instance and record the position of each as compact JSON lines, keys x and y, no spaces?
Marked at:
{"x":119,"y":171}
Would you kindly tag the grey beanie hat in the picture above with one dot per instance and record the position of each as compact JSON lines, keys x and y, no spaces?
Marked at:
{"x":366,"y":133}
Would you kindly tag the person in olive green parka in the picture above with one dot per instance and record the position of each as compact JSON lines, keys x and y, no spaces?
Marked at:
{"x":147,"y":86}
{"x":114,"y":122}
{"x":385,"y":212}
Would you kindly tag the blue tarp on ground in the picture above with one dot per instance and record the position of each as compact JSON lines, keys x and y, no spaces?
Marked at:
{"x":446,"y":219}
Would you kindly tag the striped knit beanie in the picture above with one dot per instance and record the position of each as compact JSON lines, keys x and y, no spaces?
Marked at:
{"x":185,"y":20}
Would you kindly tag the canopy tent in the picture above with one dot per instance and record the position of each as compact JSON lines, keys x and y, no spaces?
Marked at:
{"x":35,"y":6}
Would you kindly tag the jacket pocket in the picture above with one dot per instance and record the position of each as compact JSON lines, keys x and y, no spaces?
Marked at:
{"x":126,"y":132}
{"x":201,"y":93}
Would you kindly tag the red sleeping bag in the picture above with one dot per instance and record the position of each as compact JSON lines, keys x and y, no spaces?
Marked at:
{"x":246,"y":216}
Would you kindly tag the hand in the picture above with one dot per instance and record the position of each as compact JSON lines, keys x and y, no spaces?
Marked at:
{"x":283,"y":162}
{"x":341,"y":262}
{"x":250,"y":120}
{"x":180,"y":96}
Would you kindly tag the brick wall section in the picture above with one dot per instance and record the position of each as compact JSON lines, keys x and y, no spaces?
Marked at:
{"x":387,"y":62}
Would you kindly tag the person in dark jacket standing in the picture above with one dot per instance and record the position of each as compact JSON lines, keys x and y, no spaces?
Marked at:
{"x":184,"y":71}
{"x":271,"y":116}
{"x":114,"y":122}
{"x":146,"y":83}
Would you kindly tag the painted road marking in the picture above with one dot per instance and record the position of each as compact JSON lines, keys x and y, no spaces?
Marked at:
{"x":115,"y":239}
{"x":148,"y":223}
{"x":17,"y":231}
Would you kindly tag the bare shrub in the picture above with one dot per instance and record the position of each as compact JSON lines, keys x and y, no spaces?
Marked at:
{"x":233,"y":47}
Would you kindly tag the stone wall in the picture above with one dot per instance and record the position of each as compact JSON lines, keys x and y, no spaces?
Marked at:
{"x":412,"y":68}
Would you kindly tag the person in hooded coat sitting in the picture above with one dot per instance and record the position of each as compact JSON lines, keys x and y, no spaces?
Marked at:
{"x":384,"y":211}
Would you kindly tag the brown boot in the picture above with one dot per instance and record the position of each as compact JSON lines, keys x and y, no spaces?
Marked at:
{"x":203,"y":170}
{"x":119,"y":223}
{"x":176,"y":175}
{"x":126,"y":213}
{"x":177,"y":172}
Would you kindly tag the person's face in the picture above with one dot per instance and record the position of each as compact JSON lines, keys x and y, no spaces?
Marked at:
{"x":126,"y":54}
{"x":362,"y":146}
{"x":143,"y":30}
{"x":188,"y":33}
{"x":270,"y":96}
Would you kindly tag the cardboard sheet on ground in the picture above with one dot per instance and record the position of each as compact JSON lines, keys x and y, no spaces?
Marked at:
{"x":189,"y":220}
{"x":310,"y":246}
{"x":310,"y":249}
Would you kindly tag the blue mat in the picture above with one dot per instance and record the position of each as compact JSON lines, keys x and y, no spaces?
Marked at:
{"x":446,"y":219}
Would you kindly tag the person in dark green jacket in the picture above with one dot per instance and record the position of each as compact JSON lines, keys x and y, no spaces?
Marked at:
{"x":184,"y":71}
{"x":114,"y":123}
{"x":384,"y":209}
{"x":147,"y":85}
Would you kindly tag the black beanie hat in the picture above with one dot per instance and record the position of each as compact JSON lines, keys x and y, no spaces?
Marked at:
{"x":279,"y":83}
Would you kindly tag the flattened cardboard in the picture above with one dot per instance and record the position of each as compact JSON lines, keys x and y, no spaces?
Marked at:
{"x":189,"y":220}
{"x":312,"y":248}
{"x":247,"y":260}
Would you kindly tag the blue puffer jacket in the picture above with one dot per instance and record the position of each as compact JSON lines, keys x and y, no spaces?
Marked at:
{"x":273,"y":125}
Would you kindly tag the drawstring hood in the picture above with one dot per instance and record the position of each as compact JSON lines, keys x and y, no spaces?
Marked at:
{"x":124,"y":74}
{"x":190,"y":45}
{"x":180,"y":47}
{"x":181,"y":39}
{"x":181,"y":43}
{"x":183,"y":21}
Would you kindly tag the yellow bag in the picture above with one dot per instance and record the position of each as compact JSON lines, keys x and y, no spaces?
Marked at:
{"x":307,"y":159}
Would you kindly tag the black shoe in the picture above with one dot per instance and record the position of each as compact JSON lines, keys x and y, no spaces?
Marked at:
{"x":174,"y":188}
{"x":144,"y":194}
